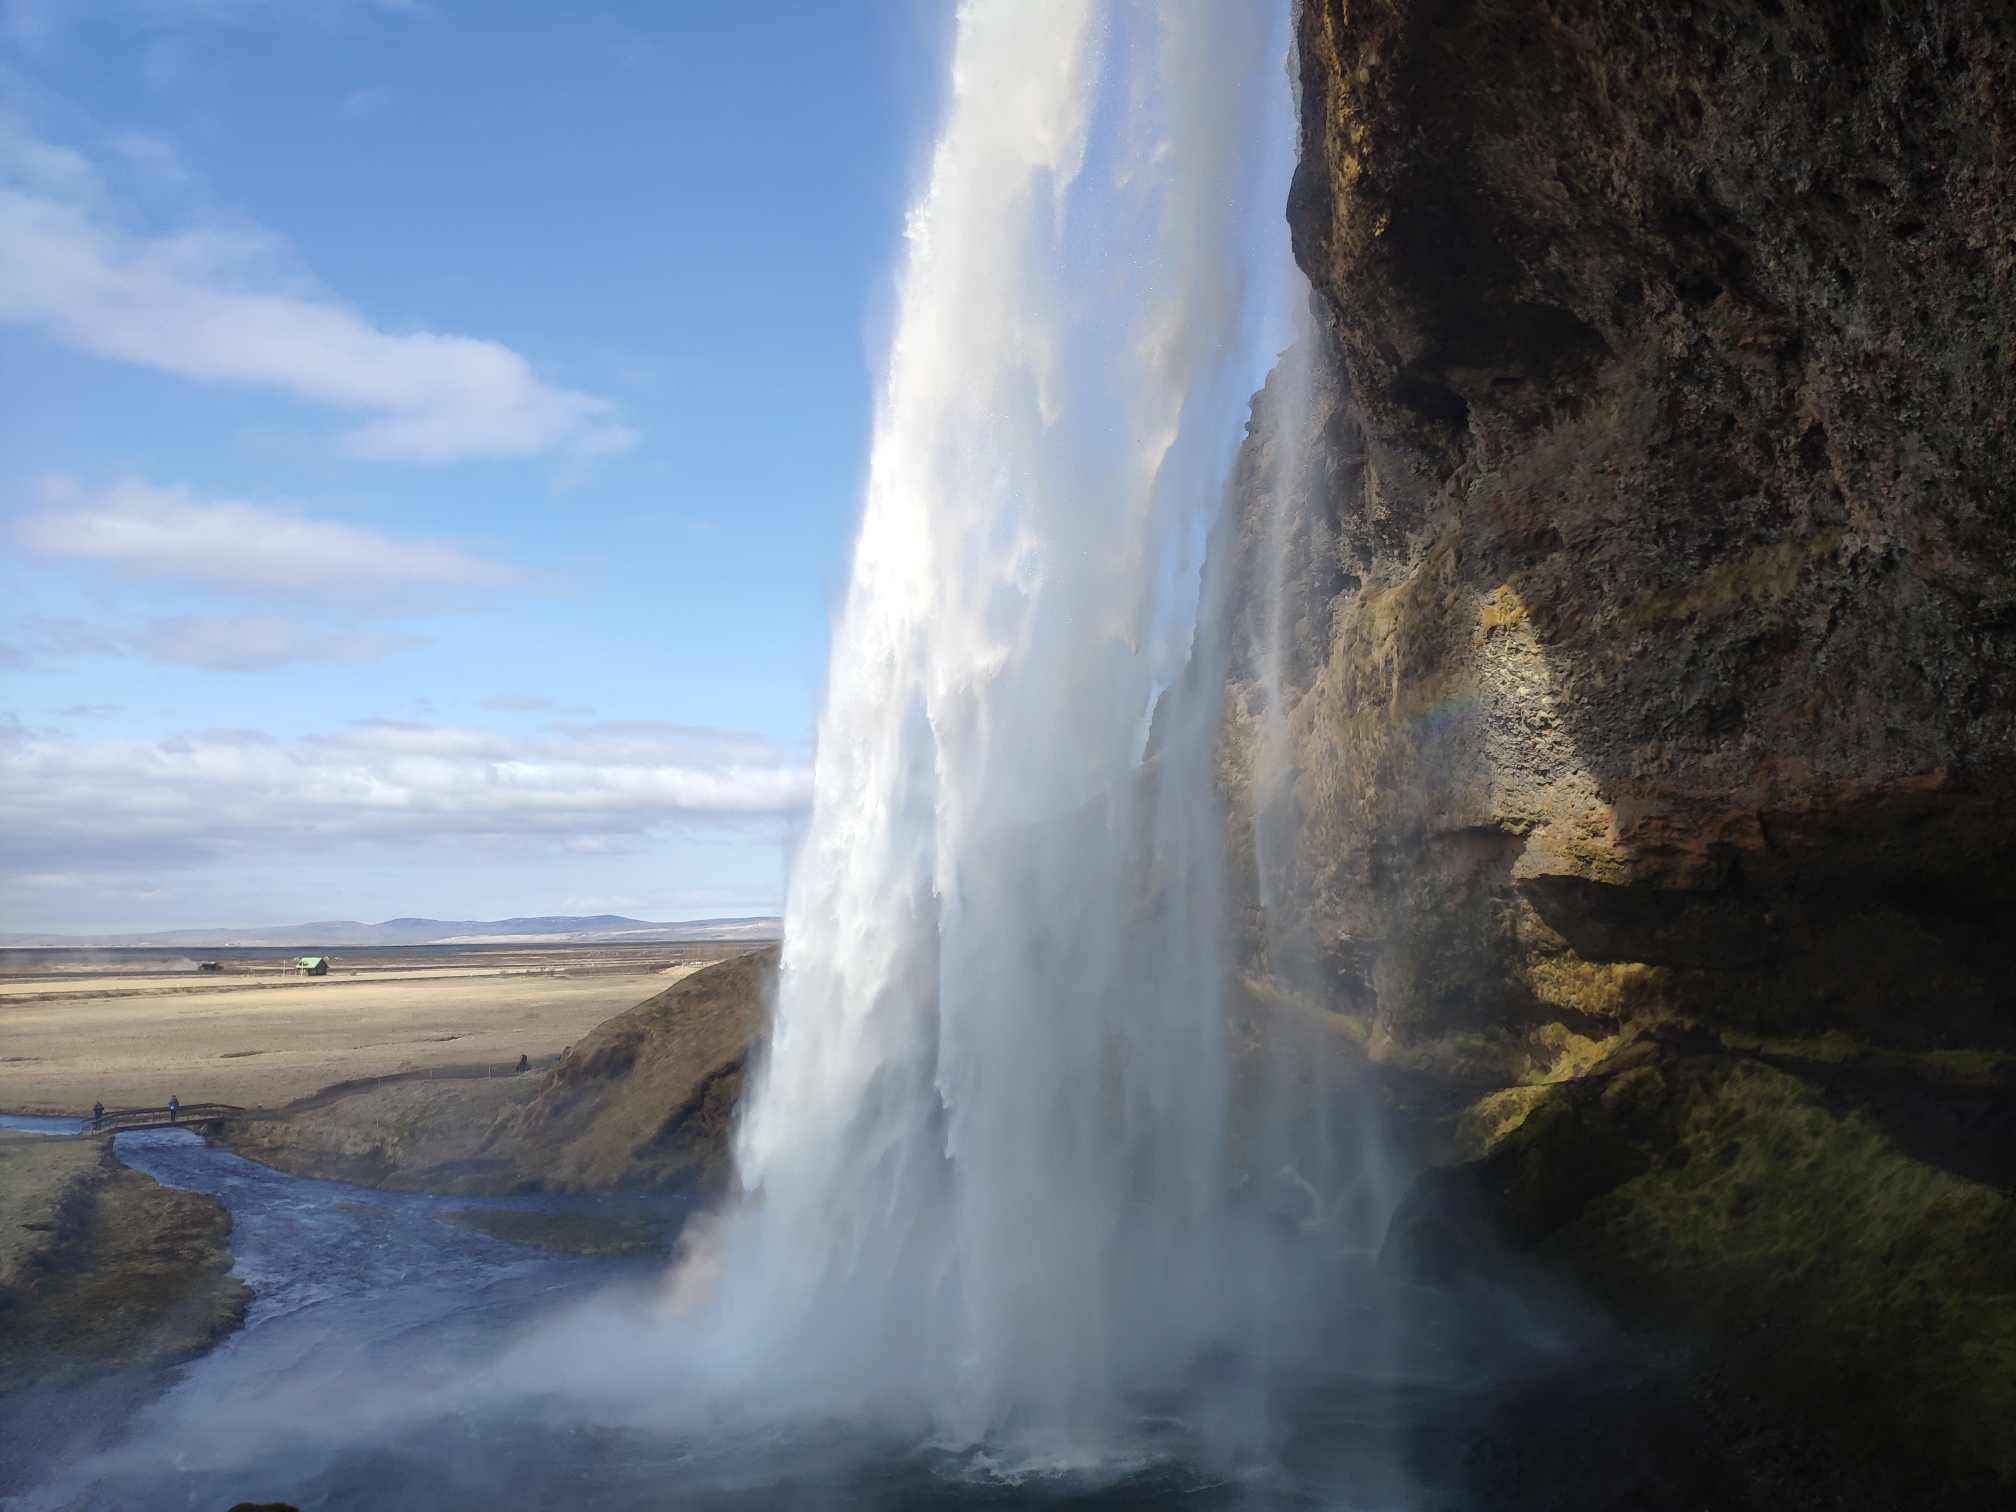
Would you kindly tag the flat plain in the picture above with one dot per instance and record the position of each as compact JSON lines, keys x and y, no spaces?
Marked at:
{"x":132,"y":1028}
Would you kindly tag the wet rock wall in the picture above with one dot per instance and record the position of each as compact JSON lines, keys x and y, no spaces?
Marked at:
{"x":1622,"y":585}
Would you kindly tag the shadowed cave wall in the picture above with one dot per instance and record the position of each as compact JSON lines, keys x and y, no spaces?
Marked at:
{"x":1647,"y":649}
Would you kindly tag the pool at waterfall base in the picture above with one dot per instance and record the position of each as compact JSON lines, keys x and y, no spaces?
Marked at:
{"x":389,"y":1362}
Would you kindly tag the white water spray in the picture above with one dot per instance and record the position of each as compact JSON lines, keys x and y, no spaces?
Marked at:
{"x":985,"y":1185}
{"x":985,"y":1158}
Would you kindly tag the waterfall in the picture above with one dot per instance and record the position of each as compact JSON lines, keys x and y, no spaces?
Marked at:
{"x":1321,"y":1143}
{"x":984,"y":1162}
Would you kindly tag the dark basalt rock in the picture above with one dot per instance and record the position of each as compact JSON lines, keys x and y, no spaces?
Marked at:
{"x":1643,"y":640}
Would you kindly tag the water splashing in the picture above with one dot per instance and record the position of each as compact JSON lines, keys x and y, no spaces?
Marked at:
{"x":988,"y":1191}
{"x":986,"y":1157}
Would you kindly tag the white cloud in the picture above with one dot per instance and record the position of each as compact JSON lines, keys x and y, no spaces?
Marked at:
{"x":74,"y":806}
{"x":156,"y":159}
{"x":338,"y":573}
{"x":259,"y":643}
{"x":248,"y":550}
{"x":38,"y":637}
{"x":211,"y":303}
{"x":366,"y":101}
{"x":34,"y":24}
{"x":212,"y":642}
{"x":517,"y":702}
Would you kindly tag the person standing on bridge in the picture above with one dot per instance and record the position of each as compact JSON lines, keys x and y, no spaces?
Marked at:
{"x":174,"y":1107}
{"x":98,"y":1113}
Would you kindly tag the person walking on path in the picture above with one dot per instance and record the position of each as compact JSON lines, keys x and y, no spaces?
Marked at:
{"x":174,"y":1108}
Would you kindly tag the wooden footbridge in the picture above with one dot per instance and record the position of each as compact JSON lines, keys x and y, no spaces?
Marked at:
{"x":187,"y":1116}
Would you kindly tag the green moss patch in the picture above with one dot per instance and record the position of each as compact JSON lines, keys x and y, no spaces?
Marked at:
{"x":1870,"y":1294}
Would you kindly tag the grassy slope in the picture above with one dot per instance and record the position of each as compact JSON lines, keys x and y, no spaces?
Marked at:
{"x":645,"y":1102}
{"x":102,"y":1267}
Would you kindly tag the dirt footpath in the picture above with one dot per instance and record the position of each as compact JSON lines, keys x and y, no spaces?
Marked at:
{"x":270,"y":1040}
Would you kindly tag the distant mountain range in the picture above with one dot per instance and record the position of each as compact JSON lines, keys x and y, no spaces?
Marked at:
{"x":334,"y":932}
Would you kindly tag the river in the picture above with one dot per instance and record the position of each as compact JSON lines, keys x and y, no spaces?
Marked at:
{"x":384,"y":1366}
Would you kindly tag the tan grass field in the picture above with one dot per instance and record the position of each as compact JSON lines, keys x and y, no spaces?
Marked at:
{"x":264,"y":1039}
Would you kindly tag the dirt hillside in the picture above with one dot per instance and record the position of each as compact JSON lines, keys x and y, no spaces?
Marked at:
{"x":643,"y":1103}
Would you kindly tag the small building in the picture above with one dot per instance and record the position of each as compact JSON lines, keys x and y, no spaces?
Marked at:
{"x":313,"y":965}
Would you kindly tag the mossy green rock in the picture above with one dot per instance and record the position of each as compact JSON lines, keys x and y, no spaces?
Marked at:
{"x":1868,"y":1294}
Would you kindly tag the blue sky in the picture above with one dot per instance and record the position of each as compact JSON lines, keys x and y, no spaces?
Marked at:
{"x":430,"y":440}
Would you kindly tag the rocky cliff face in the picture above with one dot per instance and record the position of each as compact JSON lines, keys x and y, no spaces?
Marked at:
{"x":1623,"y":580}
